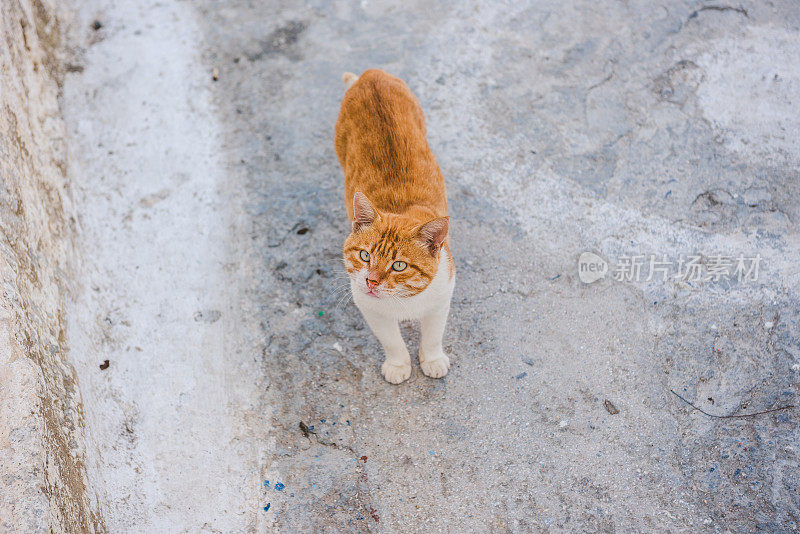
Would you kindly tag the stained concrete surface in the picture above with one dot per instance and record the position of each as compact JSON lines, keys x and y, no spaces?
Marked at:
{"x":641,"y":128}
{"x":42,"y":478}
{"x":173,"y":442}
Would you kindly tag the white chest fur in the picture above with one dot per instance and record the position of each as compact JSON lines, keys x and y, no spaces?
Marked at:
{"x":430,"y":307}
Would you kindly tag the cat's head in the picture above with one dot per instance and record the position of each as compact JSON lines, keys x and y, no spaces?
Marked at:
{"x":389,"y":255}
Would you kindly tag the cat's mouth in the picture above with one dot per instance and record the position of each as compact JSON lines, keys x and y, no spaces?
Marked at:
{"x":371,"y":293}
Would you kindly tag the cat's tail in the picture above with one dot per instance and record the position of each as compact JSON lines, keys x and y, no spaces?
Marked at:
{"x":349,"y":79}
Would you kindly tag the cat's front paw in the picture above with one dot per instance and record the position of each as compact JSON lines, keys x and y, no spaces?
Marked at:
{"x":395,"y":374}
{"x":436,"y":366}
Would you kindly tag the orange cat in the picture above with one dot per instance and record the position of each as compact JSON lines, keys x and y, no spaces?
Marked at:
{"x":398,"y":255}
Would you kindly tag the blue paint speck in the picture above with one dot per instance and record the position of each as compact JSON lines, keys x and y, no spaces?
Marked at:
{"x":431,"y":453}
{"x":555,"y":277}
{"x":266,"y":508}
{"x":279,"y":486}
{"x":668,"y":193}
{"x":266,"y":483}
{"x":523,"y":374}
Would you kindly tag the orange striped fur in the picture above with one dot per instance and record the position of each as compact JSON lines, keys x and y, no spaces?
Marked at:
{"x":382,"y":147}
{"x":397,"y":255}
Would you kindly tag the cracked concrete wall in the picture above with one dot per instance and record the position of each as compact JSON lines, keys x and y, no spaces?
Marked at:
{"x":42,"y":478}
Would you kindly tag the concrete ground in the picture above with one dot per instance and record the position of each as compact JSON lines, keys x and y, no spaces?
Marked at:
{"x":243,"y":391}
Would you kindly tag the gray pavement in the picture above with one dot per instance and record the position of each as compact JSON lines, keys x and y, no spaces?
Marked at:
{"x":625,"y":129}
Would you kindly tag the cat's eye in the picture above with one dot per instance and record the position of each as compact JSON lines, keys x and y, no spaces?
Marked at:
{"x":399,"y":266}
{"x":364,"y":256}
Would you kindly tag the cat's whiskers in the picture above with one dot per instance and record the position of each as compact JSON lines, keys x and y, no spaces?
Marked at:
{"x":341,"y":280}
{"x":338,"y":291}
{"x":339,"y":288}
{"x":342,"y":295}
{"x":343,"y":301}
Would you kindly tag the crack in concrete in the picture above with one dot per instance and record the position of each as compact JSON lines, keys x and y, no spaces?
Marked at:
{"x":740,"y":10}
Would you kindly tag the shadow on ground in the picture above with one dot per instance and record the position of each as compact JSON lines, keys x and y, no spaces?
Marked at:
{"x":559,"y":130}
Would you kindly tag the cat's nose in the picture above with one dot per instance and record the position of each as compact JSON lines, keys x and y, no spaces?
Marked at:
{"x":372,"y":282}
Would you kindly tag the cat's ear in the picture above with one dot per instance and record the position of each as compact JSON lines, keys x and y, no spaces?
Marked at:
{"x":433,"y":233}
{"x":363,"y":212}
